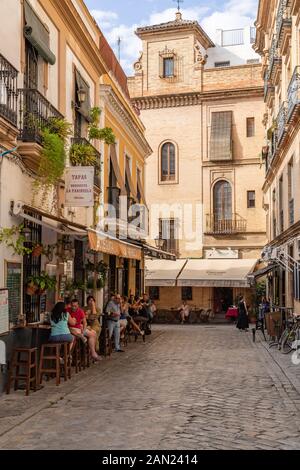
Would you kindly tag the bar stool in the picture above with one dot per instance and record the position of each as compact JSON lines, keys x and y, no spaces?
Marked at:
{"x":29,"y":366}
{"x":84,"y":355}
{"x":76,"y":356}
{"x":53,"y":356}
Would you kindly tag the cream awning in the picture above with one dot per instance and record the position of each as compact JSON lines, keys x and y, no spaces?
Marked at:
{"x":163,"y":272}
{"x":217,"y":273}
{"x":118,"y":174}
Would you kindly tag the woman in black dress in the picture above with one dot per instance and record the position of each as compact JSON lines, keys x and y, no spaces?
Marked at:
{"x":243,"y":321}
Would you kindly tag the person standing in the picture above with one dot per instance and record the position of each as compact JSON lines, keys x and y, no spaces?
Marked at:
{"x":113,"y":311}
{"x":243,"y":320}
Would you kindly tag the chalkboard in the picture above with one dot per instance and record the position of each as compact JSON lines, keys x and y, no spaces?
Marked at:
{"x":4,"y":322}
{"x":14,"y":286}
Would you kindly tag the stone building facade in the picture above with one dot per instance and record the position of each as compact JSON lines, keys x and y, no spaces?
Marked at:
{"x":203,"y":120}
{"x":277,"y":41}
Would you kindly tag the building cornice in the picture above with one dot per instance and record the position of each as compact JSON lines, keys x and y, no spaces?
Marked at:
{"x":176,"y":100}
{"x":75,"y":24}
{"x":117,"y":108}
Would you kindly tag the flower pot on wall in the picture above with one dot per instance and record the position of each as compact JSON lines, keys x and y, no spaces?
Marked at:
{"x":31,"y":289}
{"x":37,"y":251}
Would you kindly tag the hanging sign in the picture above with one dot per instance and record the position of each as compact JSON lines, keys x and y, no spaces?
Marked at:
{"x":79,"y":190}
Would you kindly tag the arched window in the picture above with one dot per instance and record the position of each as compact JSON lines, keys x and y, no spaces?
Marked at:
{"x":168,"y":162}
{"x":222,"y":201}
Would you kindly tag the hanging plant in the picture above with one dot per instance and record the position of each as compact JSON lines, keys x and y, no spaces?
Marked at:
{"x":59,"y":127}
{"x":14,"y":238}
{"x":52,"y":163}
{"x":40,"y":283}
{"x":94,"y":132}
{"x":83,"y":155}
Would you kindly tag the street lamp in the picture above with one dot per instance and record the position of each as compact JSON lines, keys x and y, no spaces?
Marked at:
{"x":27,"y":233}
{"x":159,"y":242}
{"x":81,"y":93}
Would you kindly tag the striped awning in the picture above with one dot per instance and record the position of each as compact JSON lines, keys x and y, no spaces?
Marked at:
{"x":221,"y":136}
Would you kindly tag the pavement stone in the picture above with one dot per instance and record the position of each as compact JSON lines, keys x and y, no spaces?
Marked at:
{"x":187,"y":387}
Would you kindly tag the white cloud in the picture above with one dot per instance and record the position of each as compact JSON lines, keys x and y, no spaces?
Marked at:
{"x":234,"y":14}
{"x":106,"y":19}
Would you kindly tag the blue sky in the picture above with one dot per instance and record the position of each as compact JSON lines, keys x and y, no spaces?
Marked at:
{"x":119,"y":18}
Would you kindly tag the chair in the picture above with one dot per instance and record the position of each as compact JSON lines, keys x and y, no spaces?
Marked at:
{"x":50,"y":353}
{"x":29,"y":366}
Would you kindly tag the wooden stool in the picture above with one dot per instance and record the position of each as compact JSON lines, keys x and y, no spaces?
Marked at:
{"x":76,"y":356}
{"x":30,"y":369}
{"x":54,"y":356}
{"x":84,"y":355}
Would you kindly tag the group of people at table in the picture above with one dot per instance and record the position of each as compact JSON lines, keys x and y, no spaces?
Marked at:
{"x":69,"y":321}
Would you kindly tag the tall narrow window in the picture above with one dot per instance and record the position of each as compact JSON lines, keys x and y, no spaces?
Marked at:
{"x":168,"y":163}
{"x":291,"y":192}
{"x":221,"y":136}
{"x":281,"y":211}
{"x":168,"y":64}
{"x":223,"y":201}
{"x":274,"y":199}
{"x":250,"y":199}
{"x":251,"y":127}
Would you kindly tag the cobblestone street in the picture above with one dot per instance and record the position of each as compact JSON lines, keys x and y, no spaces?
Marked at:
{"x":205,"y":387}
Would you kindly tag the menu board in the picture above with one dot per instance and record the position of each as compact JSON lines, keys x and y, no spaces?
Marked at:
{"x":4,"y":320}
{"x":14,"y":286}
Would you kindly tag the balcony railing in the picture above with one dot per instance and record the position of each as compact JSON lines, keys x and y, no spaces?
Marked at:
{"x":293,"y":93}
{"x":291,"y":212}
{"x":170,"y":246}
{"x":272,"y":150}
{"x":274,"y":57}
{"x":8,"y":91}
{"x":34,"y":114}
{"x":268,"y":87}
{"x":219,"y":226}
{"x":283,"y":21}
{"x":281,"y":122}
{"x":97,"y":176}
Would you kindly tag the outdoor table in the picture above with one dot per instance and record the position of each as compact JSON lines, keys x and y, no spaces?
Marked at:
{"x":232,"y":313}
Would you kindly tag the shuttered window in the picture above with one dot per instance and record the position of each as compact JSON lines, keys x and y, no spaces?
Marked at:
{"x":221,"y":136}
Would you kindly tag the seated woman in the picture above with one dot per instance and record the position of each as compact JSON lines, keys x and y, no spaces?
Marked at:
{"x":60,"y":321}
{"x":92,"y":317}
{"x":184,"y":310}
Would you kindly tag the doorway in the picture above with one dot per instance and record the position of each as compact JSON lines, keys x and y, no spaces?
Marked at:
{"x":223,"y":299}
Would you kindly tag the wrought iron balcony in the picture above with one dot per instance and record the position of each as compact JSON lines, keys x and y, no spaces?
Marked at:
{"x":283,"y":21}
{"x":97,"y":176}
{"x":225,"y":226}
{"x":8,"y":91}
{"x":291,"y":212}
{"x":294,"y":94}
{"x":281,"y":122}
{"x":170,"y":245}
{"x":275,"y":60}
{"x":34,"y":114}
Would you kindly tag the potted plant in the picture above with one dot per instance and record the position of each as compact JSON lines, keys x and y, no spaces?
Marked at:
{"x":37,"y":251}
{"x":37,"y":285}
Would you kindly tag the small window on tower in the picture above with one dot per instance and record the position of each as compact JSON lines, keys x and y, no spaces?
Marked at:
{"x":168,"y":67}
